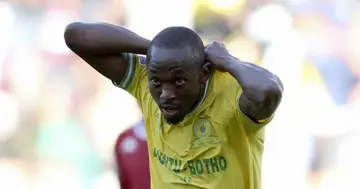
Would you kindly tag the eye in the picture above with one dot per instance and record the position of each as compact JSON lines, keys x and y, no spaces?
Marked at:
{"x":155,"y":82}
{"x":180,"y":81}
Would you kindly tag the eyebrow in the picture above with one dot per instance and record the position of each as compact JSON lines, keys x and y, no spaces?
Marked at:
{"x":176,"y":68}
{"x":173,"y":67}
{"x":152,"y":70}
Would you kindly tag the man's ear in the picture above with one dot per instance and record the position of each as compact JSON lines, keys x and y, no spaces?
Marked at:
{"x":205,"y":72}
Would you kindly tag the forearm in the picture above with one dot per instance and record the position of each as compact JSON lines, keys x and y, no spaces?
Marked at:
{"x":259,"y":85}
{"x":261,"y":90}
{"x":104,"y":39}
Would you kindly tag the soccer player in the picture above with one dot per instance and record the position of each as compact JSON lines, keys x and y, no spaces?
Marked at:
{"x":132,"y":158}
{"x":204,"y":109}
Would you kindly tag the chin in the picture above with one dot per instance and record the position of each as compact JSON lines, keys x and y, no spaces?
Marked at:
{"x":174,"y":120}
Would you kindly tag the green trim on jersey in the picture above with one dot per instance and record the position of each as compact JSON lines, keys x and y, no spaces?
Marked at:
{"x":130,"y":71}
{"x":204,"y":92}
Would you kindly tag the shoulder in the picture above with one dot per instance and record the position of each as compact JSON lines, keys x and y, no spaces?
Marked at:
{"x":136,"y":62}
{"x":224,"y":86}
{"x":138,"y":67}
{"x":222,"y":95}
{"x":135,"y":71}
{"x":136,"y":59}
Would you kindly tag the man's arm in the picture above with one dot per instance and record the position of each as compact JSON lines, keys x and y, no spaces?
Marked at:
{"x":102,"y":46}
{"x":261,"y":89}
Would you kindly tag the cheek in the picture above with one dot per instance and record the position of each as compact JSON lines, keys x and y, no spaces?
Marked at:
{"x":189,"y":92}
{"x":154,"y":93}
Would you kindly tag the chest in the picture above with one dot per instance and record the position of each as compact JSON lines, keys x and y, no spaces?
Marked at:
{"x":204,"y":134}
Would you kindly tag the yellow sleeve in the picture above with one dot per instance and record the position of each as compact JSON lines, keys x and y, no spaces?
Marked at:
{"x":245,"y":120}
{"x":226,"y":86}
{"x":135,"y":79}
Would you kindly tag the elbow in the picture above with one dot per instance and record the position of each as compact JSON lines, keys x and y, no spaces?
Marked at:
{"x":271,"y":95}
{"x":264,"y":98}
{"x":74,"y":35}
{"x":272,"y":92}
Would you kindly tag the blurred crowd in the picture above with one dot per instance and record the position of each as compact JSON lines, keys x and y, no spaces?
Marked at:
{"x":312,"y":46}
{"x":60,"y":119}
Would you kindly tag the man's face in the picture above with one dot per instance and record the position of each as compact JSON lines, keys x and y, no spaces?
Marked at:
{"x":175,"y":81}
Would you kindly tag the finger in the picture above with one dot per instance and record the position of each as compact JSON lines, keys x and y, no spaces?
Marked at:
{"x":206,"y":51}
{"x":209,"y":65}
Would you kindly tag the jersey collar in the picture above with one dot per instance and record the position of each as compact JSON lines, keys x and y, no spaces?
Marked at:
{"x":204,"y":93}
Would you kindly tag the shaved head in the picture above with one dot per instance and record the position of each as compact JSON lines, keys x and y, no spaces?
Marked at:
{"x":179,"y":38}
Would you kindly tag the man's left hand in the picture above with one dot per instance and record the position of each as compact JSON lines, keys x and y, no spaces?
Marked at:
{"x":218,"y":56}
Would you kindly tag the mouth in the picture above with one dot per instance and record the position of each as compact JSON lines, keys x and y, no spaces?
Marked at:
{"x":169,"y":111}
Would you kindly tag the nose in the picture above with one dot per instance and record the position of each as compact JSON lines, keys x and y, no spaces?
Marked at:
{"x":167,"y":94}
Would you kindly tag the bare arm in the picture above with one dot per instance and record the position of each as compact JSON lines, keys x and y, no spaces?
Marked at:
{"x":262,"y":90}
{"x":102,"y":46}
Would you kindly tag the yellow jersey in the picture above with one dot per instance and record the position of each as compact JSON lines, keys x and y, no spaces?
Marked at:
{"x":214,"y":147}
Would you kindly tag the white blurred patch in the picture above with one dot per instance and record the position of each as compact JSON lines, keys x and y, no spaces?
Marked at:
{"x":9,"y":112}
{"x":164,"y":13}
{"x":11,"y":176}
{"x":129,"y":145}
{"x":140,"y":131}
{"x":26,"y":73}
{"x":269,"y":23}
{"x":107,"y":180}
{"x":52,"y":30}
{"x":349,"y":166}
{"x":7,"y":20}
{"x":285,"y":57}
{"x":57,"y":176}
{"x":112,"y":112}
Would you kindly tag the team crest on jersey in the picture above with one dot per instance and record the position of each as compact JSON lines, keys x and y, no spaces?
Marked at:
{"x":129,"y":145}
{"x":203,"y":132}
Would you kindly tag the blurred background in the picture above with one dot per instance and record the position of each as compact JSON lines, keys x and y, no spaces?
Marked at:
{"x":60,"y":119}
